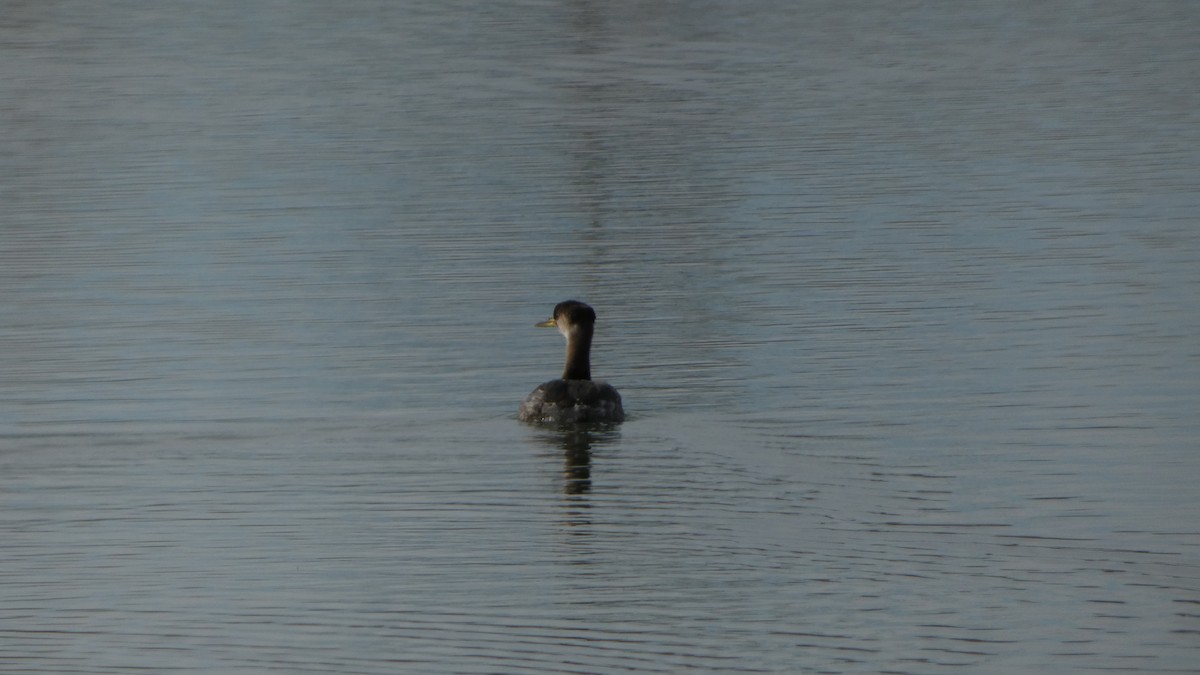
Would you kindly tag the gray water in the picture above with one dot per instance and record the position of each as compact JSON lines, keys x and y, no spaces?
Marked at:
{"x":902,"y":299}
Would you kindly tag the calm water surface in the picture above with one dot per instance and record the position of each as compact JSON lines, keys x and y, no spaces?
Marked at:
{"x":902,"y":298}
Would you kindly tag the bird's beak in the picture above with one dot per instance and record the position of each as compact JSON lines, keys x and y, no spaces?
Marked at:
{"x":548,"y":323}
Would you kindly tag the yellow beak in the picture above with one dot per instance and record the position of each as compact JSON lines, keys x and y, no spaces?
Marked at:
{"x":548,"y":323}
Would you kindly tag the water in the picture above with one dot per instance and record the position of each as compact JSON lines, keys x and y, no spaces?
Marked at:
{"x":902,"y":300}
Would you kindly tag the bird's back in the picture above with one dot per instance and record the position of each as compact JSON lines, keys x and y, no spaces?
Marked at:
{"x":572,"y":401}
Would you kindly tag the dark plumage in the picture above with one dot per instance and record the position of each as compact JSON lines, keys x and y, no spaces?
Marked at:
{"x":574,"y":397}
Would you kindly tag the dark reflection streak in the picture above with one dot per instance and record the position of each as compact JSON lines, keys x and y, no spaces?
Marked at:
{"x":594,"y":174}
{"x":576,"y":445}
{"x":577,"y":448}
{"x":587,"y":27}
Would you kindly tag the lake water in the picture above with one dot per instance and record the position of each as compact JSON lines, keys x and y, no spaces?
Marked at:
{"x":903,"y":300}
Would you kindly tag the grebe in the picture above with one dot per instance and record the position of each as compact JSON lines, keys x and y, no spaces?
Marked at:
{"x":574,"y":397}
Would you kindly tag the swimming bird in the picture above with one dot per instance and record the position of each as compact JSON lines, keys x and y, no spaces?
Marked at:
{"x":574,"y":397}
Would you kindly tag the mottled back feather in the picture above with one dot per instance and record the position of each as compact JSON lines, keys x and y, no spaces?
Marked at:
{"x":572,"y":401}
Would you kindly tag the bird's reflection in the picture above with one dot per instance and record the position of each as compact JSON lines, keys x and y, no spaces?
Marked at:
{"x":576,"y":444}
{"x":577,"y":470}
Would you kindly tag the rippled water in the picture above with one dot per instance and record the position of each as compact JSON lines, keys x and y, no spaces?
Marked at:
{"x":902,"y":300}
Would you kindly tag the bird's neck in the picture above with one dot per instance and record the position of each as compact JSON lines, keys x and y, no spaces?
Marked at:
{"x":579,"y":348}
